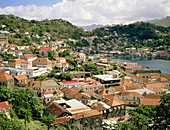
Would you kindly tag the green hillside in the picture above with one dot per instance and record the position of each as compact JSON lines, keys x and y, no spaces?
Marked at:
{"x":57,"y":28}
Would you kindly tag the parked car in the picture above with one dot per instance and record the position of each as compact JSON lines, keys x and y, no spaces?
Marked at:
{"x":121,"y":119}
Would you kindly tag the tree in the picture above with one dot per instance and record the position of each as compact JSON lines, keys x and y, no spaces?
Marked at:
{"x":10,"y":124}
{"x":48,"y":120}
{"x":51,"y":54}
{"x":23,"y":102}
{"x":66,"y":76}
{"x":149,"y":117}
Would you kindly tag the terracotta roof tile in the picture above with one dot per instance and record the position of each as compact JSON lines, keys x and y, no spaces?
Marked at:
{"x":20,"y":77}
{"x":34,"y":84}
{"x":150,"y":102}
{"x":98,"y":106}
{"x":111,"y":100}
{"x":55,"y":109}
{"x":156,"y":87}
{"x":42,"y":60}
{"x":5,"y":76}
{"x":4,"y":105}
{"x":53,"y":92}
{"x":86,"y":114}
{"x":61,"y":120}
{"x":130,"y":94}
{"x":75,"y":89}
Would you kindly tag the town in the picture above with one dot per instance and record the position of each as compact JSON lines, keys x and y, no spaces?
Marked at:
{"x":80,"y":86}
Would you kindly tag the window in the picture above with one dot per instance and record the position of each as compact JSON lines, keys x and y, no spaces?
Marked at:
{"x":134,"y":98}
{"x":134,"y":102}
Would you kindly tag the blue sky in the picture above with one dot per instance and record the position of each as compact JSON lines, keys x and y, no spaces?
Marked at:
{"x":87,"y":12}
{"x":5,"y":3}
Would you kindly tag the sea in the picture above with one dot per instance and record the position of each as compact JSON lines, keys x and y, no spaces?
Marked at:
{"x":154,"y":64}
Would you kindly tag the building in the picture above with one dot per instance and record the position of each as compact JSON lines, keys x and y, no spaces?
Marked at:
{"x":130,"y":98}
{"x":70,"y":84}
{"x":107,"y":80}
{"x":147,"y":73}
{"x":72,"y":94}
{"x":81,"y":56}
{"x":35,"y":71}
{"x":20,"y":79}
{"x":132,"y":69}
{"x":19,"y":63}
{"x":112,"y":107}
{"x":51,"y":95}
{"x":42,"y":62}
{"x":28,"y":57}
{"x":81,"y":74}
{"x":5,"y":108}
{"x":6,"y":79}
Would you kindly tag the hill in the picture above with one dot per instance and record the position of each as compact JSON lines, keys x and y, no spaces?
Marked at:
{"x":162,"y":22}
{"x":140,"y":30}
{"x":32,"y":30}
{"x":92,"y":27}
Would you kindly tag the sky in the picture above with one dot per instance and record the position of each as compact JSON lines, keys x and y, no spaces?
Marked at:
{"x":87,"y":12}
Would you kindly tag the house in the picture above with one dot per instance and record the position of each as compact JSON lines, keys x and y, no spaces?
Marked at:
{"x":3,"y":38}
{"x":81,"y":74}
{"x":50,"y":95}
{"x":44,"y":51}
{"x":20,"y":78}
{"x":81,"y":115}
{"x":132,"y":69}
{"x":60,"y":60}
{"x":114,"y":107}
{"x":104,"y":66}
{"x":101,"y":60}
{"x":56,"y":109}
{"x":5,"y":108}
{"x":28,"y":57}
{"x":88,"y":84}
{"x":18,"y":53}
{"x":19,"y":63}
{"x":107,"y":80}
{"x":81,"y":56}
{"x":147,"y":73}
{"x":151,"y":99}
{"x":156,"y":87}
{"x":42,"y":62}
{"x":71,"y":94}
{"x":70,"y":84}
{"x":35,"y":71}
{"x":6,"y":79}
{"x":101,"y":92}
{"x":130,"y":98}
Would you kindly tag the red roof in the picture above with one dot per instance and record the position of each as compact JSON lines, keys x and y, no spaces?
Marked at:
{"x":4,"y":105}
{"x":130,"y":67}
{"x":28,"y":55}
{"x":164,"y":53}
{"x":45,"y":50}
{"x":70,"y":82}
{"x":64,"y":63}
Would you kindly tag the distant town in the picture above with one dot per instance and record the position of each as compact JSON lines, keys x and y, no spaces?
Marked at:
{"x":83,"y":87}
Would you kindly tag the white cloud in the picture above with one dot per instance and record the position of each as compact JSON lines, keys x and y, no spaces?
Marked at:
{"x":83,"y":12}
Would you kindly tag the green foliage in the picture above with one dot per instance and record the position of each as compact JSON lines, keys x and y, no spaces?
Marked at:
{"x":57,"y":28}
{"x":10,"y":124}
{"x":9,"y":57}
{"x":149,"y":117}
{"x":65,"y":53}
{"x":49,"y":119}
{"x":51,"y":54}
{"x":90,"y":67}
{"x":66,"y":76}
{"x":23,"y":102}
